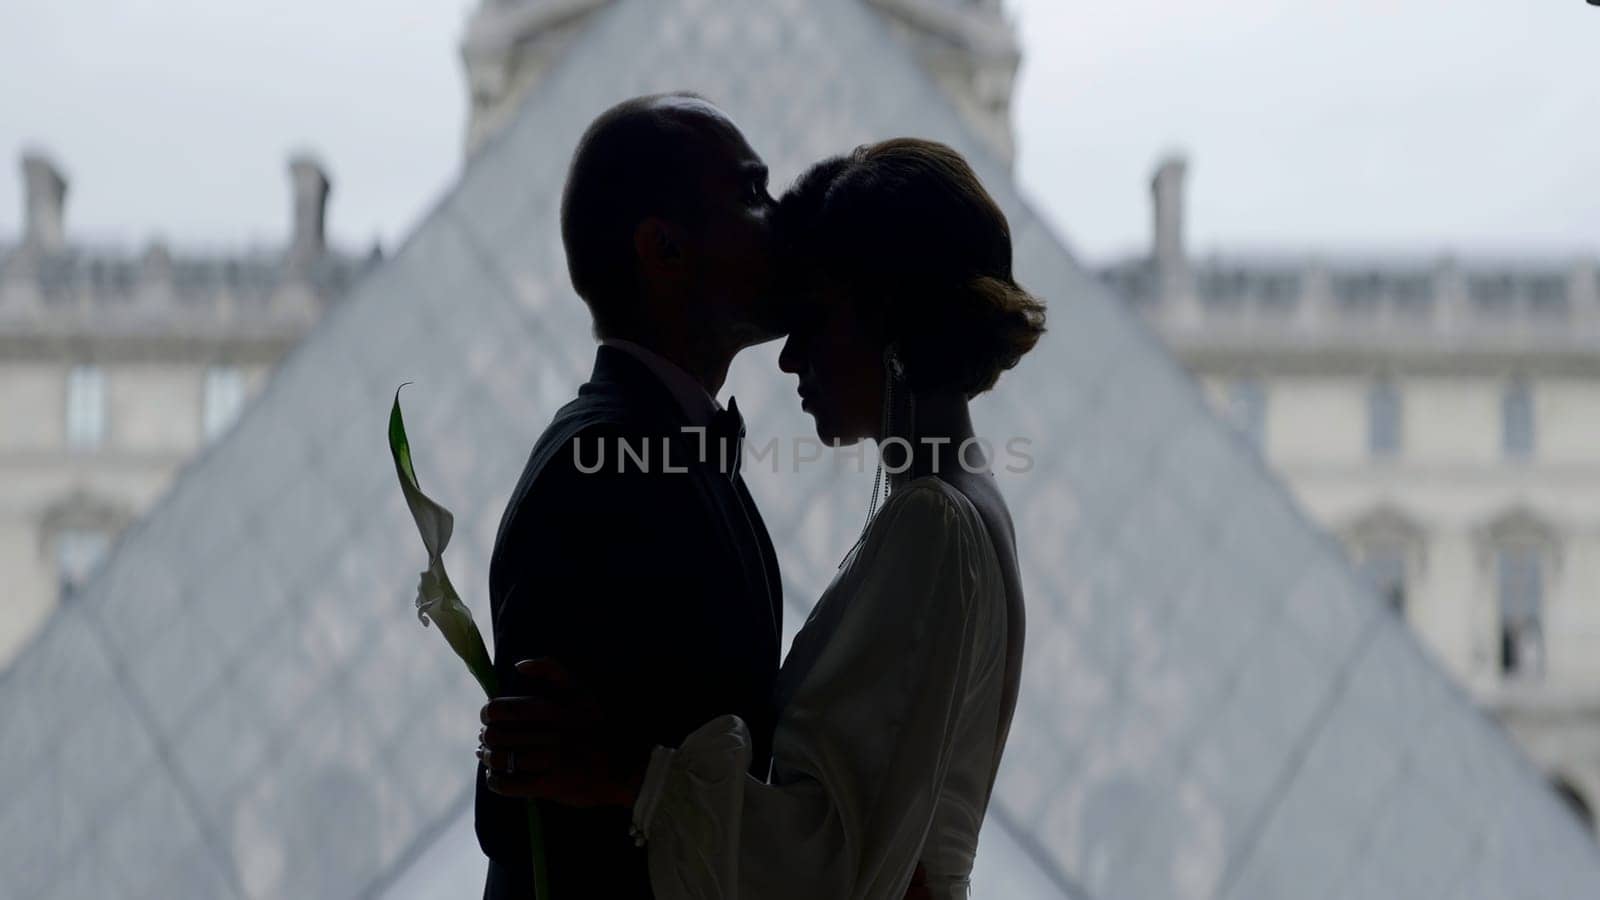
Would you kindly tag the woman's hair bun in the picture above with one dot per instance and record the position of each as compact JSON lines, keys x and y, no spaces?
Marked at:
{"x":981,"y":329}
{"x":908,"y":228}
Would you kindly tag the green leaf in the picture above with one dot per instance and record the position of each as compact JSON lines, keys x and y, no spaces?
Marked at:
{"x":437,"y":600}
{"x":434,"y":522}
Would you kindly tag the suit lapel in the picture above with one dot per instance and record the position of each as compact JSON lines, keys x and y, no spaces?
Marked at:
{"x":618,"y":375}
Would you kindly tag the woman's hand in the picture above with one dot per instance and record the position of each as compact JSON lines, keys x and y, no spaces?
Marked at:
{"x":919,"y":889}
{"x":552,"y":745}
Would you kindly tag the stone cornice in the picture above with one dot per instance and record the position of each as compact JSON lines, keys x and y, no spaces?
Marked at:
{"x":1526,"y":704}
{"x":1286,"y":351}
{"x":1573,"y":476}
{"x":110,"y":460}
{"x":86,"y":302}
{"x":1446,"y":316}
{"x":239,"y":346}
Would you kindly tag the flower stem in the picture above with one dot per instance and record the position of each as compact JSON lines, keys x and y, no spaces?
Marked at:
{"x":541,"y":873}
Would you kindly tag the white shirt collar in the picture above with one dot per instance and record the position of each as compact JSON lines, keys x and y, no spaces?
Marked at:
{"x":696,"y":402}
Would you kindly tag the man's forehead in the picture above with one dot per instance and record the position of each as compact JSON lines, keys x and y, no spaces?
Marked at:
{"x":713,"y":124}
{"x":692,"y":106}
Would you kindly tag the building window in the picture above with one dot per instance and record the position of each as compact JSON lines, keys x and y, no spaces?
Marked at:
{"x":78,"y":552}
{"x":86,"y":407}
{"x":1516,"y":420}
{"x":1388,"y":549}
{"x":224,"y":397}
{"x":1519,"y":580}
{"x":1247,"y":410}
{"x":1386,"y":567}
{"x":1383,"y":419}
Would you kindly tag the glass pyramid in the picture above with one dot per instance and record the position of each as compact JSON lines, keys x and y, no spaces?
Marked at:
{"x":242,"y":704}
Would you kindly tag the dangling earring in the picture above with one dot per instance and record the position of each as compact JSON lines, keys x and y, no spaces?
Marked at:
{"x":899,"y":412}
{"x":892,"y":416}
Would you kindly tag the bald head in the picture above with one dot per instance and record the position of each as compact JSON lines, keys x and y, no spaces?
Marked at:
{"x":642,"y":158}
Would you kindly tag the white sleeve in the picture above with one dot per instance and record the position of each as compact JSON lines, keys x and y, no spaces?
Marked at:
{"x":861,"y":749}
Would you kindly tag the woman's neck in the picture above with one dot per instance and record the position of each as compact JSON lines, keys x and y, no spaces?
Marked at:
{"x":937,"y":426}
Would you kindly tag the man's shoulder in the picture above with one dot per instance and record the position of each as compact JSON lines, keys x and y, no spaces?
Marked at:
{"x":579,"y":449}
{"x":585,"y":420}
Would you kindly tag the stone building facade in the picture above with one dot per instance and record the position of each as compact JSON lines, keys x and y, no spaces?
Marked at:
{"x":1441,"y":418}
{"x":116,"y":368}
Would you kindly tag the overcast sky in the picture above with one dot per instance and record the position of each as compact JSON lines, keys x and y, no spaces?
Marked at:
{"x":1347,"y":126}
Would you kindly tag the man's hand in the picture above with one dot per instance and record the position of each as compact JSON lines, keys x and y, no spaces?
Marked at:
{"x":552,"y":745}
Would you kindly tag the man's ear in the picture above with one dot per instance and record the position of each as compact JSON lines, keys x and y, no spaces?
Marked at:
{"x":658,"y":244}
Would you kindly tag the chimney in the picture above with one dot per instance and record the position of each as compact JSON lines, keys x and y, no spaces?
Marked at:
{"x":1166,"y":191}
{"x":309,"y":240}
{"x":1583,"y":286}
{"x":157,"y":263}
{"x":44,"y":215}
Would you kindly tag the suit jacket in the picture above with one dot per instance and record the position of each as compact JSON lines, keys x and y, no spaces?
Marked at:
{"x":658,"y":589}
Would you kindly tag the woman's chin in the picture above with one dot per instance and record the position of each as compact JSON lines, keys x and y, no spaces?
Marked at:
{"x":825,"y":434}
{"x":828,"y":428}
{"x":833,"y":437}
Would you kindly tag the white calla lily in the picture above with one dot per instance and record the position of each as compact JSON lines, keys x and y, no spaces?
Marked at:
{"x":438,"y":602}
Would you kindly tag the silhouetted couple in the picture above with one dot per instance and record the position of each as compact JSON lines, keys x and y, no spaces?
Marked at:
{"x":637,"y":613}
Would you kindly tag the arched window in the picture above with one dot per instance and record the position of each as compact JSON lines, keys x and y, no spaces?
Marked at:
{"x":78,"y":552}
{"x":1386,"y":547}
{"x":1383,"y":419}
{"x":1521,"y":550}
{"x":1519,"y":585}
{"x":76,"y":531}
{"x":1386,"y":567}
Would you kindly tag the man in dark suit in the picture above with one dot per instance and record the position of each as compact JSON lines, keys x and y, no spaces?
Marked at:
{"x":630,"y":551}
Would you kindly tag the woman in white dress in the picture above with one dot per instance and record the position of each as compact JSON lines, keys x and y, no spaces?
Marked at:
{"x":897,"y":694}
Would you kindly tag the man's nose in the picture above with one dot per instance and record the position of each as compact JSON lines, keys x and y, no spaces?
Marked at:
{"x":789,"y":357}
